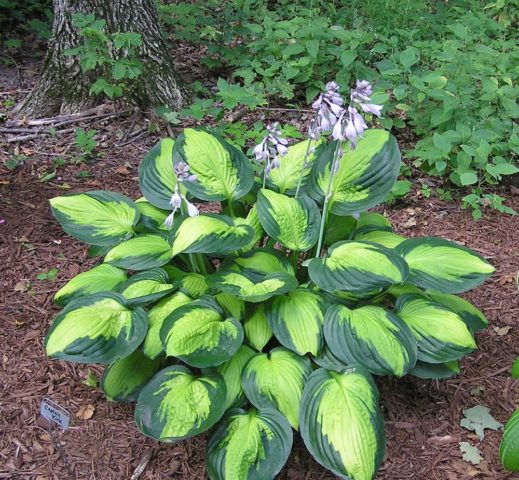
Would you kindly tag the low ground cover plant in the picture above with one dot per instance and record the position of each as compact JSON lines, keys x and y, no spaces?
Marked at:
{"x":446,"y":69}
{"x":271,"y":310}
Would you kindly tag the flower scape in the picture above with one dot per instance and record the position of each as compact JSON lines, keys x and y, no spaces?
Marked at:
{"x":272,"y":316}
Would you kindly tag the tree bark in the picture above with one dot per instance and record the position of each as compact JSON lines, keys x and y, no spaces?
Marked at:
{"x":64,"y":88}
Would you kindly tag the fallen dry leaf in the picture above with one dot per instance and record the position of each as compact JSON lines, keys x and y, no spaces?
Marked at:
{"x":123,"y":170}
{"x":502,"y":331}
{"x":20,"y":286}
{"x":85,"y":412}
{"x":410,"y":223}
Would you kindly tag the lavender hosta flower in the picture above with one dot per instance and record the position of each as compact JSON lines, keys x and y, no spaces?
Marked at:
{"x":361,"y":95}
{"x":372,"y":108}
{"x":271,"y":148}
{"x":192,"y":210}
{"x":182,"y":172}
{"x":328,"y":107}
{"x":349,"y":128}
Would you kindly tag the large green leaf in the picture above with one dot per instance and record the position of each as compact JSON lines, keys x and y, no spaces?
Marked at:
{"x":251,"y":289}
{"x":381,"y":235}
{"x":223,"y":172}
{"x":97,"y":217}
{"x":435,"y":370}
{"x":257,"y":328}
{"x":231,"y":372}
{"x":193,"y":284}
{"x":156,"y":175}
{"x":357,"y":267}
{"x":297,"y":320}
{"x":177,"y":404}
{"x":252,"y":221}
{"x":276,"y":380}
{"x":292,"y":222}
{"x":210,"y":233}
{"x":156,"y":316}
{"x":341,"y":423}
{"x":123,"y":380}
{"x":327,"y":359}
{"x":152,"y":218}
{"x":292,"y":166}
{"x":262,"y":261}
{"x":249,"y":445}
{"x":441,"y":334}
{"x":200,"y":335}
{"x":365,"y":175}
{"x":233,"y":306}
{"x":99,"y":328}
{"x":102,"y":278}
{"x":372,"y":337}
{"x":141,"y":253}
{"x":474,"y":319}
{"x":509,"y":448}
{"x":146,"y":287}
{"x":444,"y":266}
{"x":338,"y":228}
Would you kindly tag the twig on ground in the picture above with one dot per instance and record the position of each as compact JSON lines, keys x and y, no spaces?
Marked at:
{"x":52,"y":130}
{"x":133,"y":136}
{"x":143,"y":463}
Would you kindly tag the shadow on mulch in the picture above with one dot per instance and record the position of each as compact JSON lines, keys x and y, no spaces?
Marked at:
{"x":422,"y":416}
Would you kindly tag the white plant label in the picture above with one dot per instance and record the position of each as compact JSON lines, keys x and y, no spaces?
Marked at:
{"x":54,"y":413}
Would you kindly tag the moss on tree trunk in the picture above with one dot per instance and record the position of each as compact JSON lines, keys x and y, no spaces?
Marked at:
{"x":64,"y":88}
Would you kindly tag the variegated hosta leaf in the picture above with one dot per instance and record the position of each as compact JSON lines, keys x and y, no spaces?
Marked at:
{"x":441,"y":334}
{"x":146,"y":287}
{"x":372,"y":219}
{"x":200,"y":335}
{"x":262,"y":261}
{"x":141,"y":253}
{"x":509,"y":448}
{"x":291,"y":165}
{"x":339,"y":228}
{"x":474,"y":319}
{"x":252,"y":221}
{"x":251,"y":289}
{"x":372,"y":337}
{"x":327,"y":359}
{"x":123,"y":380}
{"x":435,"y":370}
{"x":222,"y":171}
{"x":97,"y":217}
{"x":210,"y":233}
{"x":276,"y":380}
{"x":177,"y":404}
{"x":297,"y":320}
{"x":365,"y":175}
{"x":193,"y":284}
{"x":102,"y":278}
{"x":152,"y":218}
{"x":231,"y":372}
{"x":382,"y":235}
{"x":156,"y":316}
{"x":341,"y":423}
{"x":156,"y":175}
{"x":292,"y":222}
{"x":98,"y":328}
{"x":257,"y":328}
{"x":249,"y":445}
{"x":233,"y":306}
{"x":441,"y":265}
{"x":357,"y":267}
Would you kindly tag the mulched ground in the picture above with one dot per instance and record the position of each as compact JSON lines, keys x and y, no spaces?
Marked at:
{"x":422,"y":416}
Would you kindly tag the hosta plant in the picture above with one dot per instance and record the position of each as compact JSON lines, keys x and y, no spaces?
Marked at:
{"x":272,"y":311}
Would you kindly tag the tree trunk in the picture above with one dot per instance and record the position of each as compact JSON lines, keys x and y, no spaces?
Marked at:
{"x":64,"y":88}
